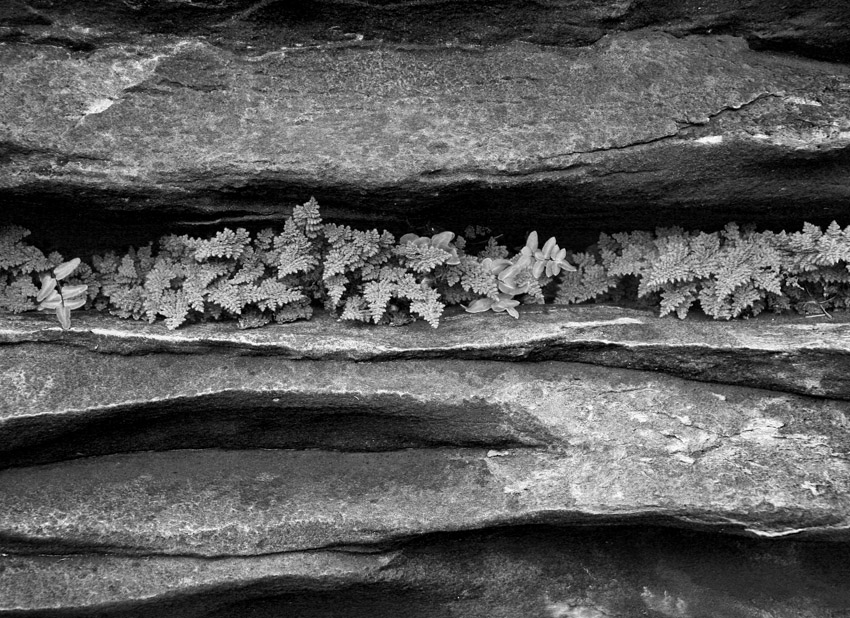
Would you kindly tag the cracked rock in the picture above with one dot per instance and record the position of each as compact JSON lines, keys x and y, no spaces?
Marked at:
{"x":388,"y":455}
{"x":638,"y":129}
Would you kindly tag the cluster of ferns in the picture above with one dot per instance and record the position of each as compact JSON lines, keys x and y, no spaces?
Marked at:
{"x":371,"y":276}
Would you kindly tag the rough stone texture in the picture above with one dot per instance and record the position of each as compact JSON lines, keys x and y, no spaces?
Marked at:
{"x":805,"y":355}
{"x":590,"y":573}
{"x":809,"y":27}
{"x":698,"y":130}
{"x":496,"y":443}
{"x":322,"y":468}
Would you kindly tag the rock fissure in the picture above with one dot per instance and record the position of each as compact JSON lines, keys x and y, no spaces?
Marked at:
{"x":580,"y":461}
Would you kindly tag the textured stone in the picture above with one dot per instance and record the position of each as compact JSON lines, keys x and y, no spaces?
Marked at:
{"x":385,"y":472}
{"x":805,"y":355}
{"x":494,"y":443}
{"x":513,"y":573}
{"x":813,"y":27}
{"x":637,"y":130}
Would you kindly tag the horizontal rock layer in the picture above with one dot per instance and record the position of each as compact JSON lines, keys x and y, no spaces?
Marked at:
{"x":516,"y":572}
{"x":375,"y":468}
{"x":494,"y":443}
{"x":318,"y":466}
{"x":815,"y":27}
{"x":639,"y":129}
{"x":805,"y":355}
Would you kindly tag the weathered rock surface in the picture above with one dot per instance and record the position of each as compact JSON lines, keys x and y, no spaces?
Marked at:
{"x":808,"y":27}
{"x":494,"y":443}
{"x":637,"y":130}
{"x":805,"y":355}
{"x":323,"y":468}
{"x":590,"y":573}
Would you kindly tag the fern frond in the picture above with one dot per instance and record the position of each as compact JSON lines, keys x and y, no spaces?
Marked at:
{"x":356,"y":309}
{"x":225,"y":244}
{"x":308,"y":218}
{"x":678,"y":298}
{"x":588,"y":281}
{"x":253,"y":318}
{"x":377,"y":295}
{"x":174,"y":308}
{"x":294,"y":311}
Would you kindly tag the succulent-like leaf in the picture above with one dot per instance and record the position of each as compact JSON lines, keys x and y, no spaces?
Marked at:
{"x":479,"y":305}
{"x":442,"y":240}
{"x":75,"y":303}
{"x":48,"y":284}
{"x":72,"y":291}
{"x":64,"y":315}
{"x":53,"y":300}
{"x":65,"y":269}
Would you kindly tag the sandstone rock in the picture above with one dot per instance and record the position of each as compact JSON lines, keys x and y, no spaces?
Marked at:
{"x":495,"y":443}
{"x":515,"y":573}
{"x":637,"y":130}
{"x":788,"y":353}
{"x":811,"y":27}
{"x":323,"y":468}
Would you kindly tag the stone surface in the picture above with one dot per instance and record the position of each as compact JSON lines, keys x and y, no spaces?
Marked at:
{"x":806,"y":355}
{"x":512,"y":573}
{"x":323,"y":468}
{"x":657,"y":129}
{"x":809,"y":27}
{"x":495,"y":443}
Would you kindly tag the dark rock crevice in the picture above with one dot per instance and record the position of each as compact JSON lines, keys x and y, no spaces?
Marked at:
{"x":621,"y":571}
{"x":815,"y":29}
{"x":238,"y":419}
{"x":368,"y":135}
{"x":592,"y":461}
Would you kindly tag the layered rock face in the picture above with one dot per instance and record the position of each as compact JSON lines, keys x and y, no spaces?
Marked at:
{"x":586,"y":461}
{"x":454,"y":113}
{"x":561,"y":468}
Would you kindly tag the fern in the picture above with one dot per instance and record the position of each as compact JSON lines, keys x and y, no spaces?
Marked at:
{"x":20,"y":265}
{"x":225,"y":275}
{"x":367,"y":276}
{"x":731,"y":273}
{"x":300,"y":310}
{"x":225,"y":244}
{"x":589,"y":280}
{"x":307,"y":218}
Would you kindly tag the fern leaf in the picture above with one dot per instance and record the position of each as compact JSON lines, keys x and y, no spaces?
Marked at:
{"x":225,"y":244}
{"x":356,"y":309}
{"x":678,"y":298}
{"x":377,"y":295}
{"x":293,"y":311}
{"x":308,"y":218}
{"x":174,"y":308}
{"x":253,"y":318}
{"x":588,"y":281}
{"x":429,"y":307}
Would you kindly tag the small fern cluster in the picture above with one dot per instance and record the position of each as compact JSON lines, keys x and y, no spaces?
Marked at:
{"x":20,"y":267}
{"x":730,"y":273}
{"x":368,"y":276}
{"x":359,"y":275}
{"x":255,"y":280}
{"x":22,"y":264}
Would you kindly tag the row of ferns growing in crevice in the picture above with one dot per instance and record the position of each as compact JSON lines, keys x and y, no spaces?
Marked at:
{"x":371,"y":276}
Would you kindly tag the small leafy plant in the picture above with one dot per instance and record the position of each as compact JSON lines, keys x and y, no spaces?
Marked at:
{"x":730,"y":273}
{"x":369,"y":276}
{"x":360,"y":275}
{"x":61,"y":298}
{"x":21,"y":264}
